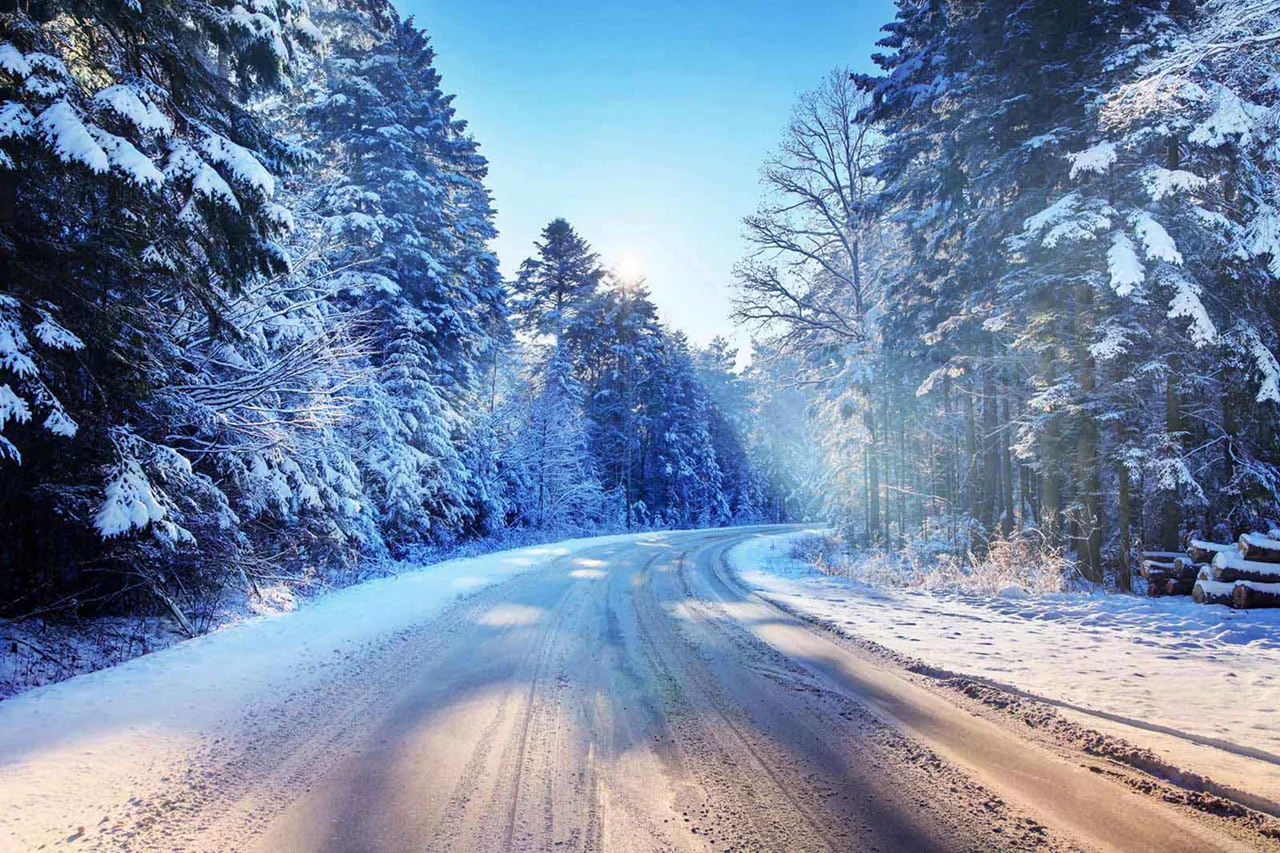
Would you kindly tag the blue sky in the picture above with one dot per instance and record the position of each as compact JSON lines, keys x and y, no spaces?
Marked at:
{"x":642,"y":123}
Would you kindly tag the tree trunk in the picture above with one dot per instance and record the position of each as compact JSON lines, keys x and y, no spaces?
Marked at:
{"x":1050,"y":465}
{"x":971,"y":455}
{"x":1124,"y":579}
{"x":1050,"y":501}
{"x":873,"y":475}
{"x":990,"y":454}
{"x":1091,"y":516}
{"x":1172,"y":513}
{"x":902,"y":479}
{"x":1007,"y":520}
{"x":866,"y":488}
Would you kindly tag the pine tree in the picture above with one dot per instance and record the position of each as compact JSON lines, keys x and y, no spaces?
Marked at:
{"x":1075,"y":204}
{"x":410,"y":208}
{"x":134,"y":195}
{"x":550,"y":456}
{"x":555,"y":286}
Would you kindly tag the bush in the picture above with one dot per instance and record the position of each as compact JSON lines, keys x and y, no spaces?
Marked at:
{"x":1022,"y":560}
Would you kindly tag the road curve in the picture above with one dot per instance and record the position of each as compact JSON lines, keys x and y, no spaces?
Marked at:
{"x":635,"y":698}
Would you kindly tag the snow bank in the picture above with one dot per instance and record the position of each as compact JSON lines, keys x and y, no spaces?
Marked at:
{"x":67,"y":746}
{"x":1163,"y":670}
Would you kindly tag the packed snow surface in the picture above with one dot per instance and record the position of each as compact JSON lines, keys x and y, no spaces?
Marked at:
{"x":1203,"y":674}
{"x":121,"y":729}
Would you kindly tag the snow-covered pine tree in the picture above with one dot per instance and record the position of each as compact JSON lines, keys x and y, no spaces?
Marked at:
{"x":551,"y":298}
{"x":729,"y":422}
{"x":682,"y":482}
{"x":1185,"y":161}
{"x":558,"y":283}
{"x":550,"y":458}
{"x":617,"y":343}
{"x":249,"y":272}
{"x":133,"y":192}
{"x":408,"y":205}
{"x":1078,"y":199}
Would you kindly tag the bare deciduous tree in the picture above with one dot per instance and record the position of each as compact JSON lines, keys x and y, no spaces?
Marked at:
{"x":804,"y":278}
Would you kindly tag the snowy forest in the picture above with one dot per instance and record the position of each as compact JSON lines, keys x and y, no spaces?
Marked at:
{"x":1025,"y":278}
{"x":1018,"y":286}
{"x":251,"y":329}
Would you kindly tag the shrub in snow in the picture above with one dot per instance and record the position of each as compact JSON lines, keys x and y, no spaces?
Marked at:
{"x":1017,"y":566}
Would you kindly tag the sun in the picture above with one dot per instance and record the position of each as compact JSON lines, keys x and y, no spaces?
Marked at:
{"x":630,"y":268}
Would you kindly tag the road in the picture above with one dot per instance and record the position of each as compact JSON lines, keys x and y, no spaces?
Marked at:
{"x":635,"y":698}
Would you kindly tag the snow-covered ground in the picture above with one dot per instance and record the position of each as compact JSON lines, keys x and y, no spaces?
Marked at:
{"x":1199,"y":685}
{"x":121,"y":729}
{"x":36,"y":652}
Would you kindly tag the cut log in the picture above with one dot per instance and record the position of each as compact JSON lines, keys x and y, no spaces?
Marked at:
{"x":1212,"y":592}
{"x":1202,"y":551}
{"x":1180,"y":569}
{"x":1179,"y":586}
{"x":1205,"y":573}
{"x":1253,"y":596}
{"x":1259,"y":548}
{"x":1185,"y":568}
{"x":1231,"y":567}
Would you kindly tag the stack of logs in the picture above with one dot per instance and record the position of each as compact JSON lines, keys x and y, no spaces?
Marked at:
{"x":1243,"y":575}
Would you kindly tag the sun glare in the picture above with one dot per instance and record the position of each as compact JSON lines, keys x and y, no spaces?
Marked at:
{"x":630,"y":268}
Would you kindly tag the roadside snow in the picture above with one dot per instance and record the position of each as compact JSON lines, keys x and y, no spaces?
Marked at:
{"x":1198,"y":684}
{"x":67,"y":746}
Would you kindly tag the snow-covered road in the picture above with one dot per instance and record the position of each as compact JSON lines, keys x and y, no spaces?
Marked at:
{"x":71,"y":754}
{"x":622,"y":693}
{"x":1198,"y":685}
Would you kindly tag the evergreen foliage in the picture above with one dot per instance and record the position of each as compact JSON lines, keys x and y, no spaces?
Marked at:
{"x":250,"y":325}
{"x":1069,"y":326}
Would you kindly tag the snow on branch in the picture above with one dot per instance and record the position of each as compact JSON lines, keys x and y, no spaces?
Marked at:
{"x":12,"y":61}
{"x":1263,"y":238}
{"x":136,"y":494}
{"x":12,"y":408}
{"x":185,"y":163}
{"x":1230,"y":121}
{"x":1186,"y":304}
{"x":135,"y":106}
{"x":1231,"y":28}
{"x":1071,"y":219}
{"x":129,"y":502}
{"x":26,"y":387}
{"x":1127,"y":272}
{"x":1161,"y":183}
{"x":135,"y":165}
{"x":1265,"y":360}
{"x":1155,"y":239}
{"x":16,"y":121}
{"x":244,"y":167}
{"x":1113,"y":343}
{"x":1098,"y":159}
{"x":70,"y":139}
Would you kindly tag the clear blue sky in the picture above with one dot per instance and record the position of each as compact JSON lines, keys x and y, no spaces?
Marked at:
{"x":642,"y":123}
